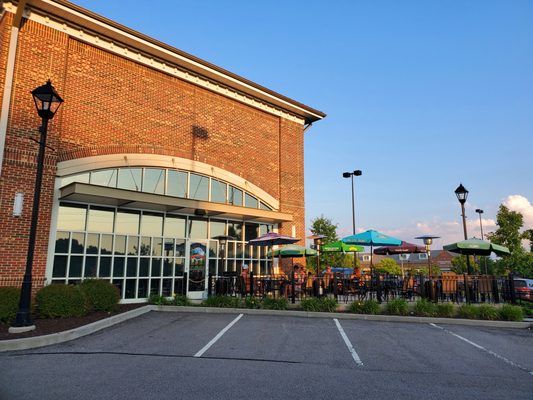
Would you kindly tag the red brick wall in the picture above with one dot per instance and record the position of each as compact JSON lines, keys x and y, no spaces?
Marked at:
{"x":5,"y":30}
{"x":113,"y":105}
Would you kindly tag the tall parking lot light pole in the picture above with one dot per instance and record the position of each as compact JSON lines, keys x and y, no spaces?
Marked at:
{"x":47,"y":102}
{"x":357,"y":172}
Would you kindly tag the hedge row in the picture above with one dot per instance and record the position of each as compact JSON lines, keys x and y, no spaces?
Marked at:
{"x":63,"y":301}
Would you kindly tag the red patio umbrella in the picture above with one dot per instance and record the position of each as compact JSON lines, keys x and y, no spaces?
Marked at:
{"x":404,"y":248}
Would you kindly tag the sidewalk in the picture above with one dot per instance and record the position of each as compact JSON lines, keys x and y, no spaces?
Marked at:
{"x":40,"y":341}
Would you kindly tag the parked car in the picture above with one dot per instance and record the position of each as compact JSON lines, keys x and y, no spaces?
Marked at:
{"x":523,"y":288}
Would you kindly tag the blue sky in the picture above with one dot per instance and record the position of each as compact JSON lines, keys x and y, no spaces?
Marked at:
{"x":420,"y":96}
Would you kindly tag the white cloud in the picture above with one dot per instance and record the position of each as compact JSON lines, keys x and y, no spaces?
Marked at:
{"x":522,"y":205}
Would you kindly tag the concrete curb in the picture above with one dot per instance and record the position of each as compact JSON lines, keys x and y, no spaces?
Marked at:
{"x":40,"y":341}
{"x":46,"y":340}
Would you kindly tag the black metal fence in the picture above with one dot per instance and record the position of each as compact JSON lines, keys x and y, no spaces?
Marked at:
{"x":447,"y":288}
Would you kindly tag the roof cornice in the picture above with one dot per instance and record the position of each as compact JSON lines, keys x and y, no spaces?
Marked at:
{"x":105,"y":33}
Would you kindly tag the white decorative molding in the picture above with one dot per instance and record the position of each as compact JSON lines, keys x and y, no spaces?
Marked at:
{"x":122,"y":160}
{"x":134,"y":55}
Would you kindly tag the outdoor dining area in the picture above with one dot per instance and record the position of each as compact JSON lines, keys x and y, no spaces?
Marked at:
{"x":291,"y":278}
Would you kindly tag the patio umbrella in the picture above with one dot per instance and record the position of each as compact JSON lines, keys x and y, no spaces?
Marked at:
{"x":372,"y":238}
{"x":404,"y":248}
{"x":271,"y":239}
{"x":293,"y":250}
{"x":477,"y":247}
{"x":339,"y":246}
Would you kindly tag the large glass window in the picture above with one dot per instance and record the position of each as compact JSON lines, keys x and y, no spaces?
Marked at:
{"x":250,"y":201}
{"x":154,"y":181}
{"x":72,"y":217}
{"x":129,"y":178}
{"x":198,"y":187}
{"x":235,"y":196}
{"x":217,"y":228}
{"x":197,"y":228}
{"x":101,"y":219}
{"x":106,"y":177}
{"x":177,"y":183}
{"x":235,"y":230}
{"x":175,"y":226}
{"x":127,"y":222}
{"x":250,"y":231}
{"x":151,"y":224}
{"x":218,"y":191}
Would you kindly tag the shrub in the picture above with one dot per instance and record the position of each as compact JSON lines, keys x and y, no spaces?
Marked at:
{"x":275,"y":304}
{"x":424,"y":308}
{"x":467,"y":311}
{"x":488,"y":312}
{"x":509,"y":312}
{"x":9,"y":302}
{"x":222,"y":302}
{"x":397,"y":307}
{"x":252,"y":302}
{"x":181,"y":300}
{"x":60,"y":301}
{"x":445,"y":310}
{"x":321,"y":304}
{"x":101,"y":295}
{"x":158,"y":300}
{"x":365,"y":307}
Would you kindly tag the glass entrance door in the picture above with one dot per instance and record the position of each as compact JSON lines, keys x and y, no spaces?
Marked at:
{"x":198,"y":261}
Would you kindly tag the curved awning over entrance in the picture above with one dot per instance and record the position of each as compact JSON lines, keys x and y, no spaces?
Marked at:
{"x":83,"y":192}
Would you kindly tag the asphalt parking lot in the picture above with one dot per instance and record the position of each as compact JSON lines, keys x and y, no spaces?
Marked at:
{"x":232,"y":356}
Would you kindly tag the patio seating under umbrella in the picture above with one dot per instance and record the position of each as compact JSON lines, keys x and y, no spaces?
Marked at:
{"x":477,"y":247}
{"x":272,"y":239}
{"x":404,"y":248}
{"x":372,"y":238}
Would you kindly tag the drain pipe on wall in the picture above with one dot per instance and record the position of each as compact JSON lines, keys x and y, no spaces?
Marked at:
{"x":10,"y":71}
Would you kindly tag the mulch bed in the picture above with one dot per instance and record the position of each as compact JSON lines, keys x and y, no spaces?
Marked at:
{"x":48,"y":326}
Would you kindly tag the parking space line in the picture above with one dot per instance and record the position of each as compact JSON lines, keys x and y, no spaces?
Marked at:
{"x":506,"y":360}
{"x":355,"y":356}
{"x":218,"y":336}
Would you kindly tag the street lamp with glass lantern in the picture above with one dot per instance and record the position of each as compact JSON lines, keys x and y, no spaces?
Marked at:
{"x":462,"y":195}
{"x":357,"y":172}
{"x":47,"y":102}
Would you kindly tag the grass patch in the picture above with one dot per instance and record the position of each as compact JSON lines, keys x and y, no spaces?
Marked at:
{"x":424,"y":308}
{"x":321,"y":304}
{"x":365,"y":307}
{"x":397,"y":307}
{"x":508,"y":312}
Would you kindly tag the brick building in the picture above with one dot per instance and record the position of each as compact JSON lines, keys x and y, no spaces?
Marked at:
{"x":153,"y":155}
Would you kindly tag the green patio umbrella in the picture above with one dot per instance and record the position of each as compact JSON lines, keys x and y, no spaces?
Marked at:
{"x":477,"y":247}
{"x":339,"y":246}
{"x":293,"y":250}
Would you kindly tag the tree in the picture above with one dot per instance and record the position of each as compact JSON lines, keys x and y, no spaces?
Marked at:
{"x":508,"y":232}
{"x":388,"y":266}
{"x":528,"y":235}
{"x":324,"y":226}
{"x":459,"y":265}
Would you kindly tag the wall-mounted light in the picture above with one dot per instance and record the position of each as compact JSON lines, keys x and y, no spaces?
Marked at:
{"x":17,"y":204}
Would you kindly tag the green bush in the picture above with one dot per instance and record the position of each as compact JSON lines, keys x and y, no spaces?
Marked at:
{"x":101,"y":295}
{"x":397,"y":307}
{"x":158,"y":300}
{"x":252,"y":302}
{"x":321,"y":304}
{"x":424,"y":308}
{"x":445,"y":310}
{"x":365,"y":307}
{"x":60,"y":301}
{"x":508,"y":312}
{"x":275,"y":304}
{"x":488,"y":312}
{"x":181,"y":300}
{"x":467,"y":311}
{"x":9,"y":303}
{"x":222,"y":302}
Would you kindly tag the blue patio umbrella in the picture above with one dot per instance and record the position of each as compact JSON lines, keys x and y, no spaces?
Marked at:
{"x":372,"y":238}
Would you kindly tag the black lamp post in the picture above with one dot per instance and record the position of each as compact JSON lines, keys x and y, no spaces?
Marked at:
{"x":357,"y":172}
{"x":47,"y":102}
{"x":480,"y":211}
{"x":462,"y":194}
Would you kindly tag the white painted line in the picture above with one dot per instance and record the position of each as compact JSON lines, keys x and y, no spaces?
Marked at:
{"x":213,"y":341}
{"x":506,"y":360}
{"x":355,"y":356}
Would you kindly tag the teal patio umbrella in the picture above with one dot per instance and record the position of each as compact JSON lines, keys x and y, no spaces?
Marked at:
{"x":371,"y":238}
{"x":477,"y":247}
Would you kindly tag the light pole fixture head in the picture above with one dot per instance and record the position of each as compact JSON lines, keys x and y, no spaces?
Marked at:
{"x":47,"y":100}
{"x":461,"y":193}
{"x":358,"y":172}
{"x":346,"y":174}
{"x":479,"y":210}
